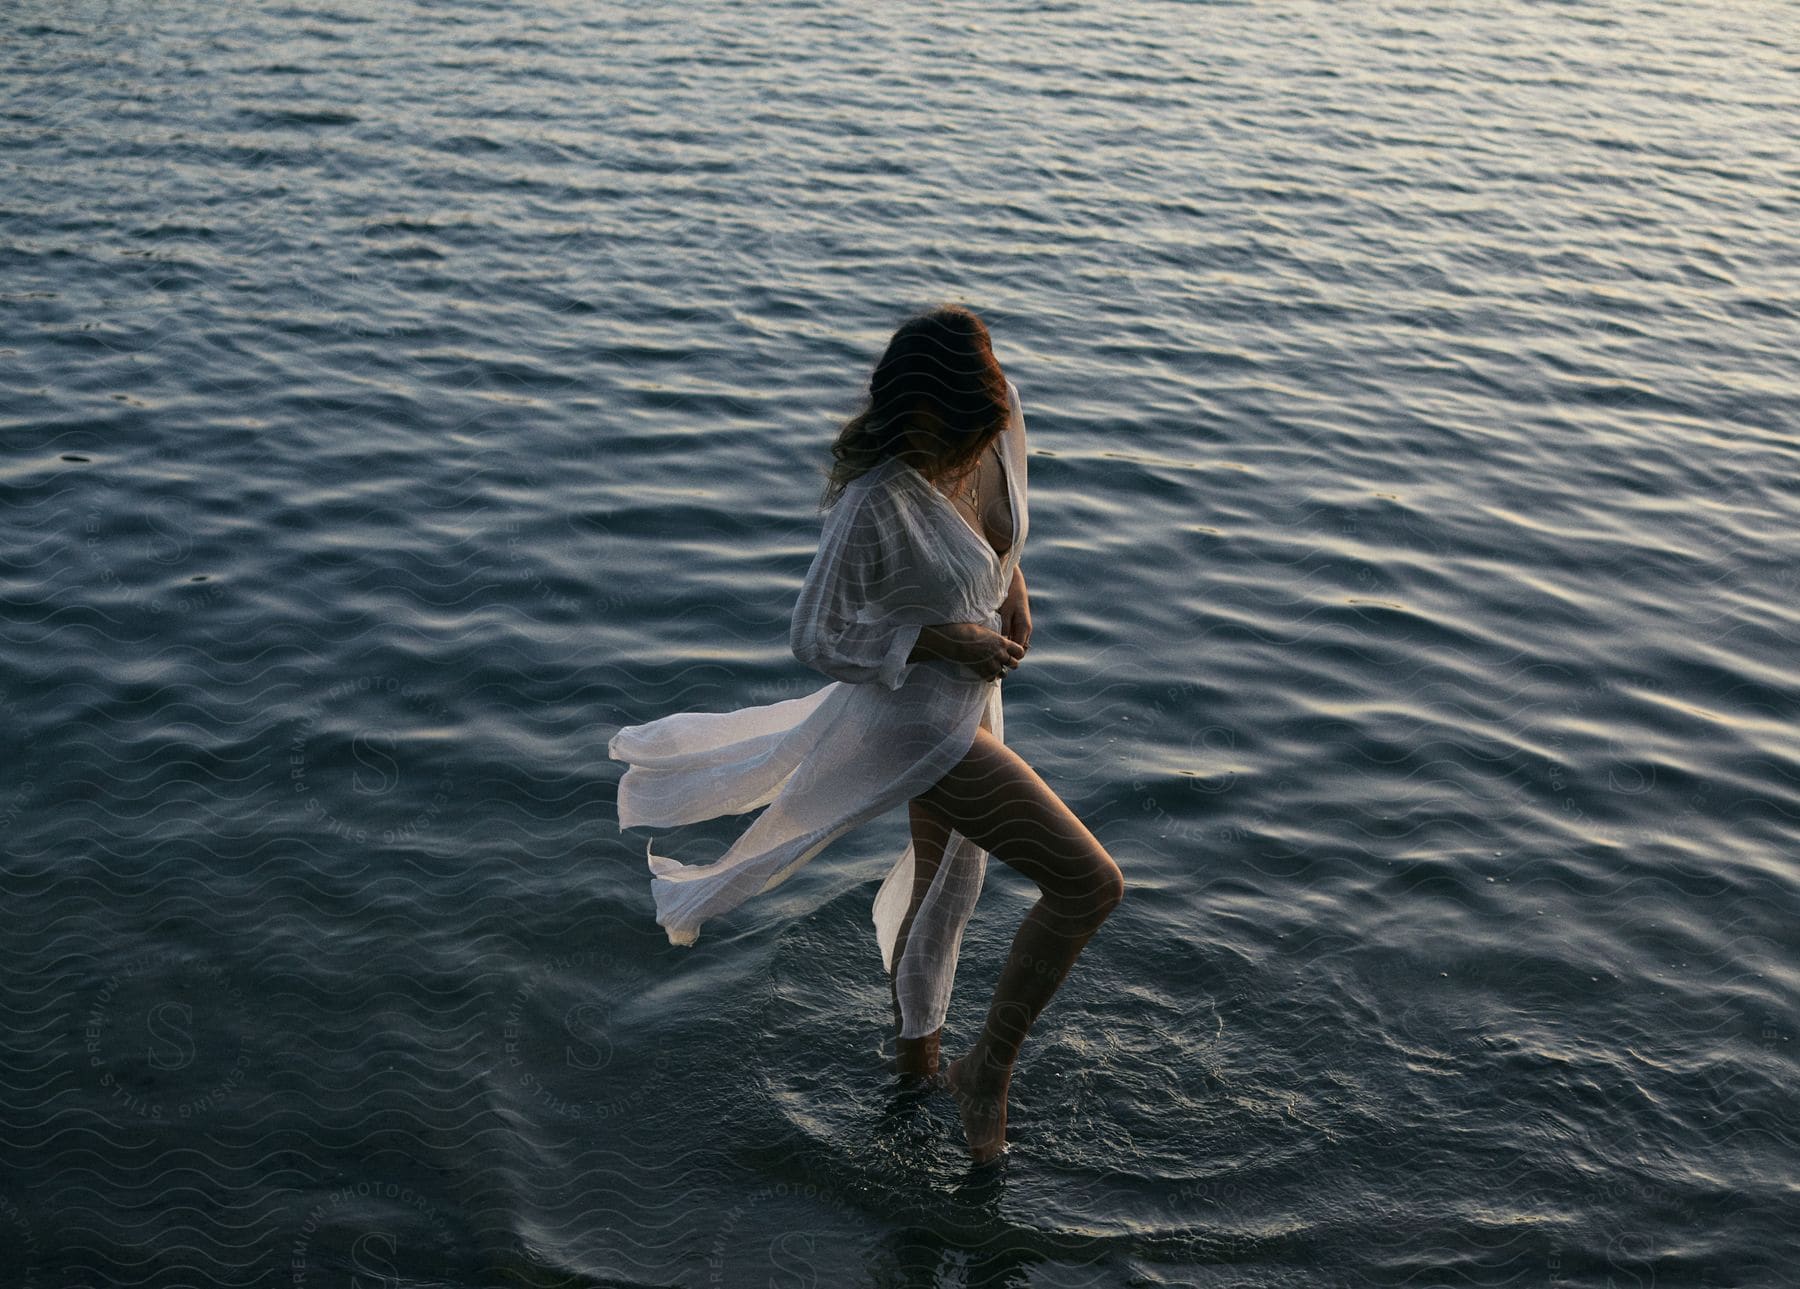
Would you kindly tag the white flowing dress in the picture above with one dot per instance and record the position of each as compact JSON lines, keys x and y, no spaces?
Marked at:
{"x":894,"y":555}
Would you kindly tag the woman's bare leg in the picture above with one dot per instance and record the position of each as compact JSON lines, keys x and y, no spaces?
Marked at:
{"x":998,"y":801}
{"x":930,"y":836}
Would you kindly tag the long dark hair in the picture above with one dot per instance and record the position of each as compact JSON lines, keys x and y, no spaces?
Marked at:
{"x":939,"y":361}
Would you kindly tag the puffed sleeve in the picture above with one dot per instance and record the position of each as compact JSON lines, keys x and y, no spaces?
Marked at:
{"x":850,"y":621}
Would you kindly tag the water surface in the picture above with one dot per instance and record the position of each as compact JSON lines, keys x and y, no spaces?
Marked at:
{"x":401,"y":398}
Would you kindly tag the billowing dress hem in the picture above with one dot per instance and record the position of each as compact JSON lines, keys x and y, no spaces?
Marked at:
{"x":691,"y":766}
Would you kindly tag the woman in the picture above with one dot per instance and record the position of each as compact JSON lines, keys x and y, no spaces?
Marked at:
{"x":915,"y":608}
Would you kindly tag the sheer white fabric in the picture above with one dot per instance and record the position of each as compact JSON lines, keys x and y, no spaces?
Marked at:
{"x":894,"y":555}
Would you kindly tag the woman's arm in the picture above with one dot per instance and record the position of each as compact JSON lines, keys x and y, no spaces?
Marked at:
{"x":1015,"y":611}
{"x":977,"y":647}
{"x":929,"y":645}
{"x":986,"y":652}
{"x":840,"y":627}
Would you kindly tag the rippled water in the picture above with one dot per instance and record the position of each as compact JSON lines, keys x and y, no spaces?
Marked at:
{"x":400,"y":398}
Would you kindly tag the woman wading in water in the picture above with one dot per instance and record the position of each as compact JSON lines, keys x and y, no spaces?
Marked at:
{"x":916,"y":609}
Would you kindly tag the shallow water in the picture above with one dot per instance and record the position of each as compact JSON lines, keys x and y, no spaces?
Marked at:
{"x":402,"y":398}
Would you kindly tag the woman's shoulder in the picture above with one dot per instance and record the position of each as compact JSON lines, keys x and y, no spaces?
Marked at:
{"x":1015,"y":421}
{"x":873,"y":492}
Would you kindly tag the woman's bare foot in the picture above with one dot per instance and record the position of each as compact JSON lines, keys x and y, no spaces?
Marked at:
{"x":980,"y":1094}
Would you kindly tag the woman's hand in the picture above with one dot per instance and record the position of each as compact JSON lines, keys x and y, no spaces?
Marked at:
{"x":976,"y":646}
{"x":1015,"y":612}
